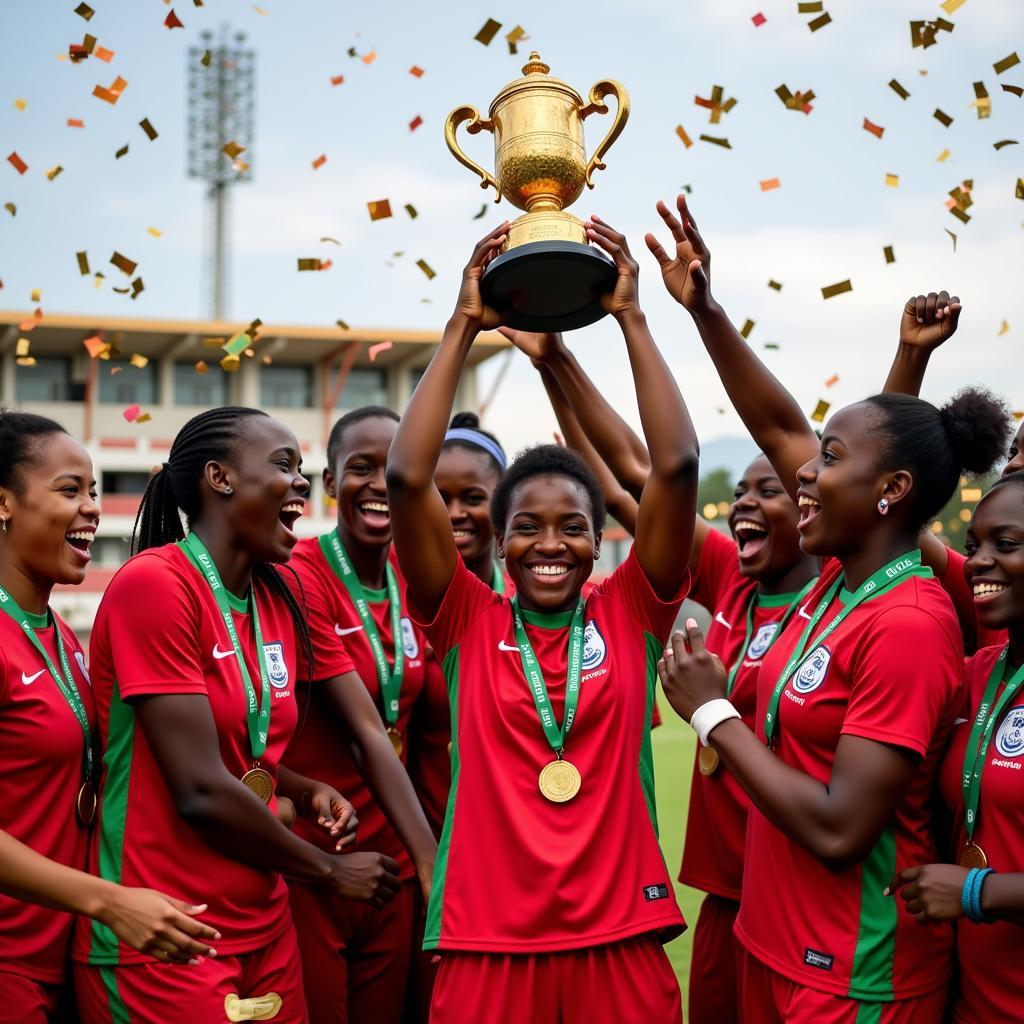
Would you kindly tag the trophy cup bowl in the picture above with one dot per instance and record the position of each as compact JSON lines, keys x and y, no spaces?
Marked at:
{"x":548,"y":276}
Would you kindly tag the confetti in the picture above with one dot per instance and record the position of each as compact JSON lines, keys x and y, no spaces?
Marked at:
{"x":416,"y":72}
{"x":337,"y":79}
{"x":139,"y":361}
{"x":380,"y":209}
{"x":427,"y":269}
{"x":890,"y":256}
{"x":83,"y":263}
{"x":832,"y":381}
{"x":115,"y":370}
{"x":148,"y":128}
{"x":25,"y":361}
{"x":951,"y":235}
{"x":113,"y":94}
{"x":1018,"y":416}
{"x":17,"y":163}
{"x":775,"y":285}
{"x":758,"y":19}
{"x":801,"y":101}
{"x":1017,"y":90}
{"x":76,"y":122}
{"x":942,"y":117}
{"x":970,"y":494}
{"x":1004,"y":142}
{"x":748,"y":326}
{"x":103,"y":54}
{"x":37,"y":295}
{"x":259,"y":10}
{"x":237,"y":345}
{"x":319,"y":162}
{"x":54,"y":171}
{"x":1006,"y":63}
{"x":411,"y":210}
{"x":820,"y":22}
{"x":137,"y":287}
{"x":229,"y":364}
{"x":681,"y":132}
{"x":344,"y":326}
{"x":125,"y":265}
{"x":876,"y":129}
{"x":11,"y":208}
{"x":830,"y":291}
{"x":95,"y":346}
{"x":724,"y":143}
{"x":131,"y":414}
{"x":715,"y":103}
{"x":1003,"y":328}
{"x":22,"y":347}
{"x":892,"y":180}
{"x":206,"y":58}
{"x":84,"y":11}
{"x":899,"y":90}
{"x":943,"y":156}
{"x":483,"y":210}
{"x":327,"y":238}
{"x":924,"y":33}
{"x":123,"y":151}
{"x":172,"y":20}
{"x":820,"y":410}
{"x":309,"y":264}
{"x":415,"y":123}
{"x":1020,"y":189}
{"x":376,"y":350}
{"x":949,"y":6}
{"x":155,"y":232}
{"x":810,"y":7}
{"x":201,"y":367}
{"x":369,"y":58}
{"x":488,"y":32}
{"x":121,"y":291}
{"x":769,"y":184}
{"x":233,"y":150}
{"x":513,"y":37}
{"x":982,"y":101}
{"x":88,"y":43}
{"x":325,"y":265}
{"x":21,"y":105}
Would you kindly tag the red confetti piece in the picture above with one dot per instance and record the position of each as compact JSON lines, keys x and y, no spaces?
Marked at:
{"x":876,"y":129}
{"x":416,"y":71}
{"x":319,"y":162}
{"x":102,"y":53}
{"x":415,"y":123}
{"x":131,"y":414}
{"x":337,"y":79}
{"x":75,"y":122}
{"x":758,"y":19}
{"x":172,"y":20}
{"x":769,"y":184}
{"x":381,"y":346}
{"x":325,"y":265}
{"x":17,"y":163}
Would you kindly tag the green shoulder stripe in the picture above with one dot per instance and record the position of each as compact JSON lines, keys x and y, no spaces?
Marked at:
{"x":654,"y":649}
{"x":871,"y":975}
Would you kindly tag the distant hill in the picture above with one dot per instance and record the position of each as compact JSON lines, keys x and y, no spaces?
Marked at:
{"x":731,"y":453}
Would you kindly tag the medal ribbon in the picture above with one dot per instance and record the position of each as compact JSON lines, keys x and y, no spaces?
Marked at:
{"x":257,"y":714}
{"x":878,"y":583}
{"x":390,"y":679}
{"x":761,"y":601}
{"x":981,"y":735}
{"x":498,"y":579}
{"x":535,"y":677}
{"x":64,"y":679}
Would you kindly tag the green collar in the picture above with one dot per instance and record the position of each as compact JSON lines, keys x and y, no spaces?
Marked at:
{"x":775,"y":600}
{"x":37,"y":621}
{"x":548,"y":620}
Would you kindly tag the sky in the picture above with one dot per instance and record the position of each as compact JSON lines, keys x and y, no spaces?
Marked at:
{"x":829,"y":220}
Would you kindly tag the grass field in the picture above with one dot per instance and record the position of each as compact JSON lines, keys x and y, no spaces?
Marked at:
{"x":673,"y":743}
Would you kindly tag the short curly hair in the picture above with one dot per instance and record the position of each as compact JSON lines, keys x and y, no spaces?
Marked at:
{"x":547,"y":460}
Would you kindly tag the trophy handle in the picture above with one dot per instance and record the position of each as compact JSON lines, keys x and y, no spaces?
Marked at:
{"x":475,"y":126}
{"x":608,"y":87}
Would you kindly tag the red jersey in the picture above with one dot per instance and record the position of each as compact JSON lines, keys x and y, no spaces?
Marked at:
{"x":158,"y":632}
{"x":318,"y":750}
{"x":991,"y":971}
{"x":891,"y":672}
{"x":569,"y":875}
{"x":976,"y":636}
{"x":716,"y":827}
{"x":42,"y":746}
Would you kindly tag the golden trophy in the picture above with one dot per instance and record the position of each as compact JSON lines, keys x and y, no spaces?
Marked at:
{"x":548,"y":276}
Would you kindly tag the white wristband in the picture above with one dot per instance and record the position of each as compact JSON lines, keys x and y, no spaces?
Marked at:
{"x":710,"y":715}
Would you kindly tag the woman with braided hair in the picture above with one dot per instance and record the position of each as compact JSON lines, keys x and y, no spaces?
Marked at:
{"x":196,"y":649}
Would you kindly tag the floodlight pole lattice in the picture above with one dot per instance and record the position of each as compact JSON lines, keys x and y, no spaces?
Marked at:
{"x":221,"y":100}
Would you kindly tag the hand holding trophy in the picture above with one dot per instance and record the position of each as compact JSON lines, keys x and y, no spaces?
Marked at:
{"x":547,"y":277}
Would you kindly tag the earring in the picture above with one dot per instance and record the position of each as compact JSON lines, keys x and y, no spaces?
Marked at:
{"x":229,"y":490}
{"x":3,"y":524}
{"x":883,"y":507}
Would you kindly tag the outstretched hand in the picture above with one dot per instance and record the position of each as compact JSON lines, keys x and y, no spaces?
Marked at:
{"x":687,"y":275}
{"x":470,"y":303}
{"x":690,"y":674}
{"x":537,"y":346}
{"x":929,"y":320}
{"x":624,"y":297}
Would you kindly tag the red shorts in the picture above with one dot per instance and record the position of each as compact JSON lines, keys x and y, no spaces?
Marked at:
{"x":24,"y":1001}
{"x":628,"y":982}
{"x":196,"y":994}
{"x":422,"y":969}
{"x":714,"y":969}
{"x":355,"y":959}
{"x":767,"y":997}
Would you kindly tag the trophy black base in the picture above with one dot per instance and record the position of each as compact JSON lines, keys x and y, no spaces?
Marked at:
{"x":548,"y":286}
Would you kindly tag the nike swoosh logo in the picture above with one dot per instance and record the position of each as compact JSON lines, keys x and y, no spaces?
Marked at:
{"x":960,"y":721}
{"x":28,"y":680}
{"x":502,"y":646}
{"x":718,"y":618}
{"x":803,"y":612}
{"x":345,"y":632}
{"x":219,"y":654}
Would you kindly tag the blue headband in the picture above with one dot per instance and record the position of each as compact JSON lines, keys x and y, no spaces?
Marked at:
{"x":481,"y":441}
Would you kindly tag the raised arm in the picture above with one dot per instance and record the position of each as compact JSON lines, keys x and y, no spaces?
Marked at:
{"x":927,"y":322}
{"x":664,"y":526}
{"x":770,"y":413}
{"x":419,"y":520}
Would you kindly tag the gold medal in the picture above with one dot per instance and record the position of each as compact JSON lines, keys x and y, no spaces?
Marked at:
{"x":707,"y":760}
{"x":972,"y":856}
{"x":559,"y":781}
{"x":396,"y":740}
{"x":449,"y":748}
{"x":257,"y":1008}
{"x":260,"y":781}
{"x":85,"y":804}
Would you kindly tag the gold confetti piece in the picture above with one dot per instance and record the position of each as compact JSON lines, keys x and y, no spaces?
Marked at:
{"x":84,"y":11}
{"x":942,"y":117}
{"x":233,"y":150}
{"x":416,"y":72}
{"x":1003,"y":328}
{"x":22,"y":347}
{"x":769,"y":184}
{"x":925,"y":33}
{"x":775,"y":285}
{"x":1005,"y":142}
{"x":309,"y":264}
{"x":319,"y":162}
{"x":820,"y":410}
{"x":810,"y":7}
{"x":1020,"y":189}
{"x":411,"y":210}
{"x":20,"y":104}
{"x":37,"y":295}
{"x":75,"y":122}
{"x":943,"y":156}
{"x":344,"y":326}
{"x":832,"y":381}
{"x":1018,"y":416}
{"x":949,"y":6}
{"x":125,"y":265}
{"x":758,"y":19}
{"x":137,"y":287}
{"x":172,"y":21}
{"x":266,"y":360}
{"x":103,"y":54}
{"x":229,"y":364}
{"x":982,"y":102}
{"x":138,"y":360}
{"x":376,"y":350}
{"x":113,"y":94}
{"x":970,"y":494}
{"x":97,"y":278}
{"x":369,"y":58}
{"x":890,"y":256}
{"x":54,"y":171}
{"x":716,"y":104}
{"x":1006,"y":63}
{"x":353,"y":52}
{"x":951,"y":235}
{"x":899,"y":90}
{"x":415,"y":123}
{"x":88,"y":43}
{"x":681,"y":132}
{"x":488,"y":32}
{"x":380,"y":209}
{"x":876,"y":129}
{"x":123,"y":151}
{"x":17,"y":163}
{"x":830,"y":291}
{"x":483,"y":210}
{"x":960,"y":214}
{"x":121,"y":291}
{"x":259,"y":11}
{"x":800,"y":101}
{"x":513,"y":37}
{"x":148,"y":128}
{"x":724,"y":143}
{"x":1017,"y":90}
{"x":748,"y":326}
{"x":206,"y":58}
{"x":83,"y":263}
{"x":337,"y":79}
{"x":11,"y":208}
{"x":95,"y":346}
{"x":820,"y":22}
{"x":892,"y":180}
{"x":427,"y":269}
{"x":25,"y":361}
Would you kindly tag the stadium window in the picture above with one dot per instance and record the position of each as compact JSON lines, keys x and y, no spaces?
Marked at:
{"x":363,"y":387}
{"x":206,"y":389}
{"x":117,"y":481}
{"x":48,"y":381}
{"x":134,"y":385}
{"x":286,"y":387}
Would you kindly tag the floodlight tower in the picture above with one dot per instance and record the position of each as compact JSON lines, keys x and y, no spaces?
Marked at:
{"x":221,"y":97}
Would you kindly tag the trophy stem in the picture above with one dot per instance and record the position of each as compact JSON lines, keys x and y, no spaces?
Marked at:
{"x":543,"y":203}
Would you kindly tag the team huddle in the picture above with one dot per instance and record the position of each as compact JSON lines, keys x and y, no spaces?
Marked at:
{"x":403,"y":771}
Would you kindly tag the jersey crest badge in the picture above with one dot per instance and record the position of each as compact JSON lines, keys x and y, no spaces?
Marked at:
{"x":594,"y":649}
{"x":409,"y":642}
{"x":277,"y":670}
{"x":762,"y":641}
{"x":1010,"y":738}
{"x":80,"y":658}
{"x":813,"y":671}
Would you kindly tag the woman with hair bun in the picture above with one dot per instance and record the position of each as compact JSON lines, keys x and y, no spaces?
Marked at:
{"x":856,"y":699}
